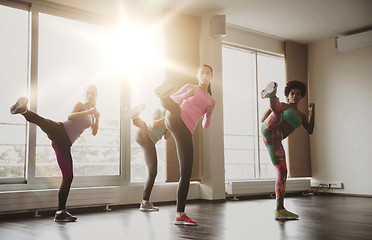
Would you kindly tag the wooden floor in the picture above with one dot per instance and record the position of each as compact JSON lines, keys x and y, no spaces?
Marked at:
{"x":321,"y":217}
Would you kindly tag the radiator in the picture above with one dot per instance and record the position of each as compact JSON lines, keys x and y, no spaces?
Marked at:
{"x":48,"y":198}
{"x":257,"y":187}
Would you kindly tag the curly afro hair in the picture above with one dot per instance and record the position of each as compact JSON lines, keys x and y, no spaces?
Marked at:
{"x":294,"y":84}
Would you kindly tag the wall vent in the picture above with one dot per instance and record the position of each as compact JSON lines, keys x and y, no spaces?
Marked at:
{"x":354,"y":41}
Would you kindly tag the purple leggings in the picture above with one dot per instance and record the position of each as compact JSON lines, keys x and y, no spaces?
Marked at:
{"x":62,"y":147}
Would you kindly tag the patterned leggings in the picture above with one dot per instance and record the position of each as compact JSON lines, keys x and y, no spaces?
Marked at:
{"x":273,"y":136}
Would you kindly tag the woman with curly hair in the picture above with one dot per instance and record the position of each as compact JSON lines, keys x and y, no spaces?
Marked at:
{"x":278,"y":123}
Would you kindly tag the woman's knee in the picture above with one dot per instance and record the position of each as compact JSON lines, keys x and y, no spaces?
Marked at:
{"x":67,"y":178}
{"x":185,"y":172}
{"x":282,"y":173}
{"x":153,"y":173}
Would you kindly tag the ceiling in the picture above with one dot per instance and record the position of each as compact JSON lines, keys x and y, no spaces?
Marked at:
{"x":303,"y":21}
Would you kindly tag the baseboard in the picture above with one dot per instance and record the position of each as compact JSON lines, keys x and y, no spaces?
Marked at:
{"x":344,"y":194}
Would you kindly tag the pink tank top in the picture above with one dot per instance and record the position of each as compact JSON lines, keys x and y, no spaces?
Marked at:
{"x":76,"y":127}
{"x":193,"y":108}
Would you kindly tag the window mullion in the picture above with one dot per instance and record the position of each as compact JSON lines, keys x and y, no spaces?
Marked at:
{"x":34,"y":35}
{"x":257,"y":122}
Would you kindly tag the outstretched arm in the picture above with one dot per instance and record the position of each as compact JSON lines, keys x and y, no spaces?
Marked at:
{"x":308,"y":124}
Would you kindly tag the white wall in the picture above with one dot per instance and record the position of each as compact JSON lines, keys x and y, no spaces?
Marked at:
{"x":341,"y":87}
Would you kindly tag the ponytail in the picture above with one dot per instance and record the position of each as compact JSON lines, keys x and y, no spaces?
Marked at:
{"x":209,"y":89}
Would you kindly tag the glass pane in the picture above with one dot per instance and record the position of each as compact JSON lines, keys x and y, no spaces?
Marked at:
{"x":143,"y":85}
{"x":71,"y":56}
{"x":269,"y":69}
{"x":13,"y":77}
{"x":238,"y":104}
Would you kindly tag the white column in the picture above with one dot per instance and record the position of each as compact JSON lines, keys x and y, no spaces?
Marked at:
{"x":212,"y":185}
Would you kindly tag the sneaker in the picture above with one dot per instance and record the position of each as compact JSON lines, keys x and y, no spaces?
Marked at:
{"x":135,"y":111}
{"x":20,"y":106}
{"x":183,"y":219}
{"x":285,"y":215}
{"x":148,"y":207}
{"x":64,"y":216}
{"x":166,"y":88}
{"x":270,"y":90}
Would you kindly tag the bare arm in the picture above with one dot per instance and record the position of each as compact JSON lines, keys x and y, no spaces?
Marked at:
{"x":95,"y":122}
{"x":308,"y":124}
{"x":78,"y":113}
{"x":266,"y":115}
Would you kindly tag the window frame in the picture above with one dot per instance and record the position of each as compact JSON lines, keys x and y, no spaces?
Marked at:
{"x":26,"y":7}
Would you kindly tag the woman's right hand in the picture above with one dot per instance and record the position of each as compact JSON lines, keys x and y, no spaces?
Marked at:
{"x":311,"y":107}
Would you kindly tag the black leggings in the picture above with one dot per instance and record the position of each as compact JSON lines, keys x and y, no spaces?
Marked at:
{"x":149,"y":150}
{"x":62,"y":147}
{"x":185,"y":148}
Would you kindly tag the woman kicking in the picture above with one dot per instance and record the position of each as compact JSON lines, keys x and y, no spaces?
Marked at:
{"x":63,"y":135}
{"x":279,"y":122}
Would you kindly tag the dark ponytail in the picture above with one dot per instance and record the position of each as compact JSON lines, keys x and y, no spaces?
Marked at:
{"x":209,"y":89}
{"x":209,"y":85}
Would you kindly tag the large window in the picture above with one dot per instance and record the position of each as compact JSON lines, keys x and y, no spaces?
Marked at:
{"x":143,"y":83}
{"x":51,"y":56}
{"x":13,"y":77}
{"x":245,"y":73}
{"x":71,"y":56}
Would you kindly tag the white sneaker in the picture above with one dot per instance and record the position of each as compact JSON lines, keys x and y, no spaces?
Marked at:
{"x":64,"y":216}
{"x":20,"y":106}
{"x":148,"y":207}
{"x":270,"y":90}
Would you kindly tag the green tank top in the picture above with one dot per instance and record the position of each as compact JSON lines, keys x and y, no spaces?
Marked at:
{"x":292,"y":118}
{"x":157,"y":133}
